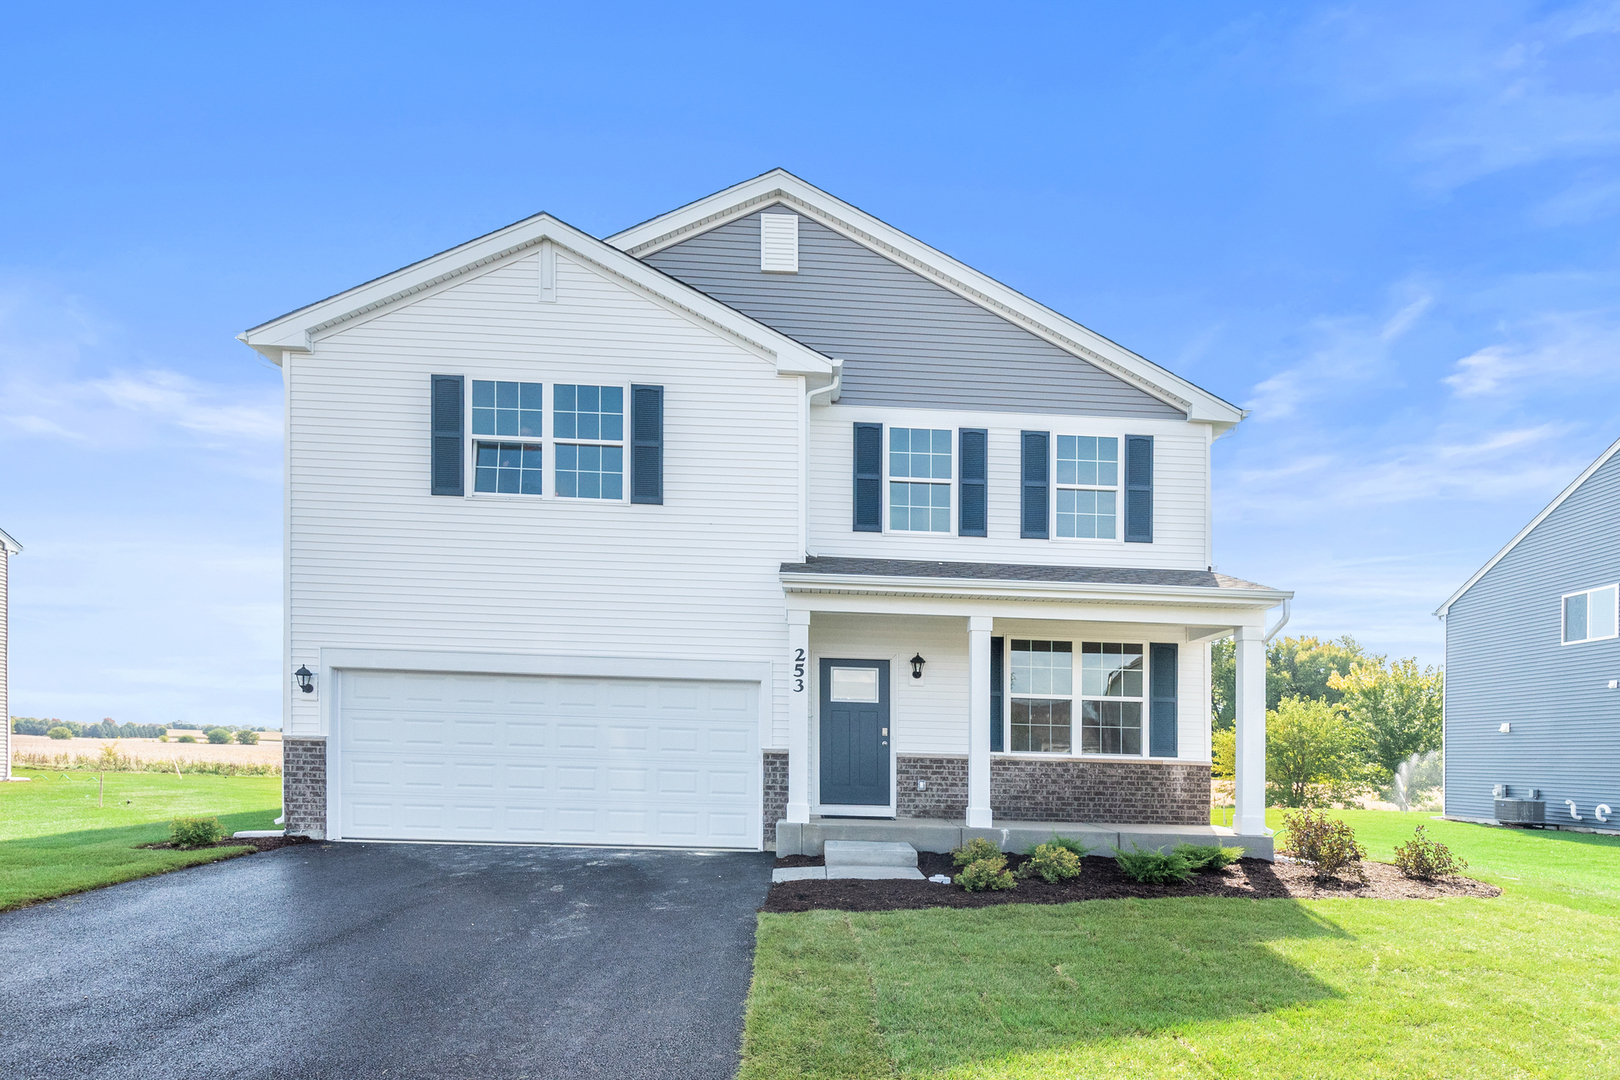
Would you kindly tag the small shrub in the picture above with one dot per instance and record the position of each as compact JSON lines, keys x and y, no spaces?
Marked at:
{"x":1205,"y":858}
{"x":60,"y":732}
{"x":195,"y":832}
{"x":1067,"y":843}
{"x":164,"y":737}
{"x":1426,"y":859}
{"x":1327,"y":845}
{"x":111,"y":757}
{"x":975,"y":850}
{"x":247,"y":738}
{"x":1154,"y":867}
{"x":218,"y":735}
{"x":987,"y":875}
{"x":1051,"y":863}
{"x":188,"y":738}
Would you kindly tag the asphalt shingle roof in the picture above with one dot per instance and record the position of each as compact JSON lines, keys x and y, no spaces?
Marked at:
{"x":1098,"y":575}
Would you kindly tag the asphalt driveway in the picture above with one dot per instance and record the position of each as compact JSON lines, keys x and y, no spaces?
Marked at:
{"x":390,"y":960}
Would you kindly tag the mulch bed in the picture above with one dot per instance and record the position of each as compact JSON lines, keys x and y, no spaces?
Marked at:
{"x":262,"y":843}
{"x":1102,"y":879}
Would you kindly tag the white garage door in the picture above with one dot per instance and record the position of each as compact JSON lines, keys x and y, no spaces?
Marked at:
{"x":544,"y":759}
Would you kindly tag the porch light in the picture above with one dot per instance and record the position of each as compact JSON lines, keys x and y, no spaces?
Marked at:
{"x":306,"y":679}
{"x":916,"y":666}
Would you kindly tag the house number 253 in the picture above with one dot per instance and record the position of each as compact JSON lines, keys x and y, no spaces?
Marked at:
{"x":798,"y":671}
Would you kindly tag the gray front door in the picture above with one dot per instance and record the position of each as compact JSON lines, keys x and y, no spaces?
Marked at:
{"x":855,"y":732}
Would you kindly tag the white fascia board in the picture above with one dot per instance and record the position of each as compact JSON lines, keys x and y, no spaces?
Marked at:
{"x":1524,"y":532}
{"x":11,"y":546}
{"x":298,"y":330}
{"x":1060,"y":591}
{"x":778,"y":185}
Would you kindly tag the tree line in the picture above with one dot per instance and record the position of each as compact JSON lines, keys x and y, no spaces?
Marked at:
{"x":106,"y":729}
{"x":1340,"y":721}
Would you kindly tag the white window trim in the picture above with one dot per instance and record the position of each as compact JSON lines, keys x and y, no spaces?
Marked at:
{"x":1118,"y":539}
{"x":1588,"y":593}
{"x":1076,"y":697}
{"x":950,"y":484}
{"x":548,"y":443}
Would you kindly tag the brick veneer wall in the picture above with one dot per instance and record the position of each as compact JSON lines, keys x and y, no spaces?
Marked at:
{"x":1123,"y":792}
{"x":776,"y":794}
{"x":946,"y":794}
{"x":303,"y":787}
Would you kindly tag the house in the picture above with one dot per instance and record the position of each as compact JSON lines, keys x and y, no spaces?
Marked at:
{"x":1532,"y":660}
{"x":8,"y":548}
{"x":755,"y":518}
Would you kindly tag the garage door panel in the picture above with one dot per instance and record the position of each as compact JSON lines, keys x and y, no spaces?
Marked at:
{"x":529,"y":758}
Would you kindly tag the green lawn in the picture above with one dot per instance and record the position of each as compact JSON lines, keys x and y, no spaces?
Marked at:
{"x":56,"y":838}
{"x":1524,"y":985}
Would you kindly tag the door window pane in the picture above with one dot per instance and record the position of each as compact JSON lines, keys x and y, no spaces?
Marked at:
{"x":854,"y":684}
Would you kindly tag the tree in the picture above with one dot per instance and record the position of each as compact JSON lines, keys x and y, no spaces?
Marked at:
{"x":1313,"y":753}
{"x":1300,"y":667}
{"x":1398,"y":708}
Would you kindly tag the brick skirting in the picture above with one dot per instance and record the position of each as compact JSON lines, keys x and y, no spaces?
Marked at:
{"x":1124,"y":792}
{"x":776,"y":794}
{"x":303,"y":787}
{"x":946,"y":793}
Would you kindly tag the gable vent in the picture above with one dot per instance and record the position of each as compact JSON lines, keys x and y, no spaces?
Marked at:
{"x":779,"y":243}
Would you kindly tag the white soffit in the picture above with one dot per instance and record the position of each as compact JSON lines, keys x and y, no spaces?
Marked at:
{"x":297,"y":330}
{"x":781,"y":186}
{"x":1524,"y":532}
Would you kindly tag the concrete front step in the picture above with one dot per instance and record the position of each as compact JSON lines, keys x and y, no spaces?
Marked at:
{"x":933,"y":834}
{"x":846,"y":873}
{"x":870,"y":853}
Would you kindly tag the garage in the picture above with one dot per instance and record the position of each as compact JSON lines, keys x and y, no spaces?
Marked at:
{"x":547,"y":759}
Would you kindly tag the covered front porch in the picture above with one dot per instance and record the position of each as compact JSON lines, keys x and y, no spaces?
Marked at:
{"x":932,"y":702}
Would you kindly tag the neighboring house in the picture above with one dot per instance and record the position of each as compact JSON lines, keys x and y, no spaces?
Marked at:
{"x":757,"y":511}
{"x":1533,"y":667}
{"x":8,"y":548}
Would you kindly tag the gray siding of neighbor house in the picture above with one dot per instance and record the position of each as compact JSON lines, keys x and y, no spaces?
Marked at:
{"x":904,"y":340}
{"x":1506,"y":663}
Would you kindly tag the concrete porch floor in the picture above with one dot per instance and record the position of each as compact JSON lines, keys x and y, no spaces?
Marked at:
{"x":937,"y":834}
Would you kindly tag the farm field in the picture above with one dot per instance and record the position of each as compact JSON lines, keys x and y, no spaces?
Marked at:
{"x":1215,"y":987}
{"x":57,"y":838}
{"x":27,"y":747}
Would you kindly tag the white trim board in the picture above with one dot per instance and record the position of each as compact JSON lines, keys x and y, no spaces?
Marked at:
{"x":781,"y":186}
{"x":297,"y":330}
{"x":9,"y":544}
{"x":1524,"y":532}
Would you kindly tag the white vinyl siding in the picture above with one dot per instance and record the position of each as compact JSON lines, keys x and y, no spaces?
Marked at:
{"x":376,"y":561}
{"x":1180,"y":491}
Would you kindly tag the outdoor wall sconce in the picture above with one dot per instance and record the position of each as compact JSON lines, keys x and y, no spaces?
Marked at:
{"x":916,"y":666}
{"x":306,"y":679}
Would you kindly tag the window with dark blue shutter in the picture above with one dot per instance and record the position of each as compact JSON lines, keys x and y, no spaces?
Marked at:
{"x":447,"y":471}
{"x":973,"y":512}
{"x":998,"y":677}
{"x":646,"y":444}
{"x":869,"y":478}
{"x":1162,"y":699}
{"x":1139,"y":489}
{"x":1035,"y":495}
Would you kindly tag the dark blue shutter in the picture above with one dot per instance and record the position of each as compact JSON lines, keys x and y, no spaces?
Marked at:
{"x":997,"y":677}
{"x":448,"y":476}
{"x":973,"y":452}
{"x":646,"y":444}
{"x":1032,"y":522}
{"x":1162,"y":699}
{"x":868,"y":477}
{"x":1139,"y":489}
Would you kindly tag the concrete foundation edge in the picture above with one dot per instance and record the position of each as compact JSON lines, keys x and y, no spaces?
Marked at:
{"x":797,"y":838}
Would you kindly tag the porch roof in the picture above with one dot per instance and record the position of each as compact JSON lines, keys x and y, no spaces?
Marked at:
{"x":906,"y":577}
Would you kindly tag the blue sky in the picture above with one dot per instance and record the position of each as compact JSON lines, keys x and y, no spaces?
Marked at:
{"x":1394,"y":234}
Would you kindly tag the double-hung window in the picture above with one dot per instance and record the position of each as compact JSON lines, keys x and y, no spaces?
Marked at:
{"x":588,"y":426}
{"x":1591,"y":615}
{"x":1110,"y":701}
{"x":507,"y":422}
{"x":919,"y":480}
{"x":1087,"y":487}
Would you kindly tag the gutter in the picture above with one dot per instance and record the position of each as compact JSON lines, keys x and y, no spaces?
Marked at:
{"x":831,"y":388}
{"x":925,"y":586}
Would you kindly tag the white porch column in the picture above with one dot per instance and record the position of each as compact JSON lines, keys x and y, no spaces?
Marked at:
{"x":978,"y":804}
{"x":798,"y":804}
{"x":1249,"y":819}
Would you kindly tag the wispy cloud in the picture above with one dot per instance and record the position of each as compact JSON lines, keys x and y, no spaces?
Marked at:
{"x":1549,"y":346}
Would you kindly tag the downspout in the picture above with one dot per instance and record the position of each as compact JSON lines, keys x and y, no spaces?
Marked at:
{"x":830,"y":388}
{"x":1282,"y":621}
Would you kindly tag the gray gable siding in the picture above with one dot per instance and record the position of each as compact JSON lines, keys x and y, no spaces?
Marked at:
{"x":1506,"y":663}
{"x":904,"y":340}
